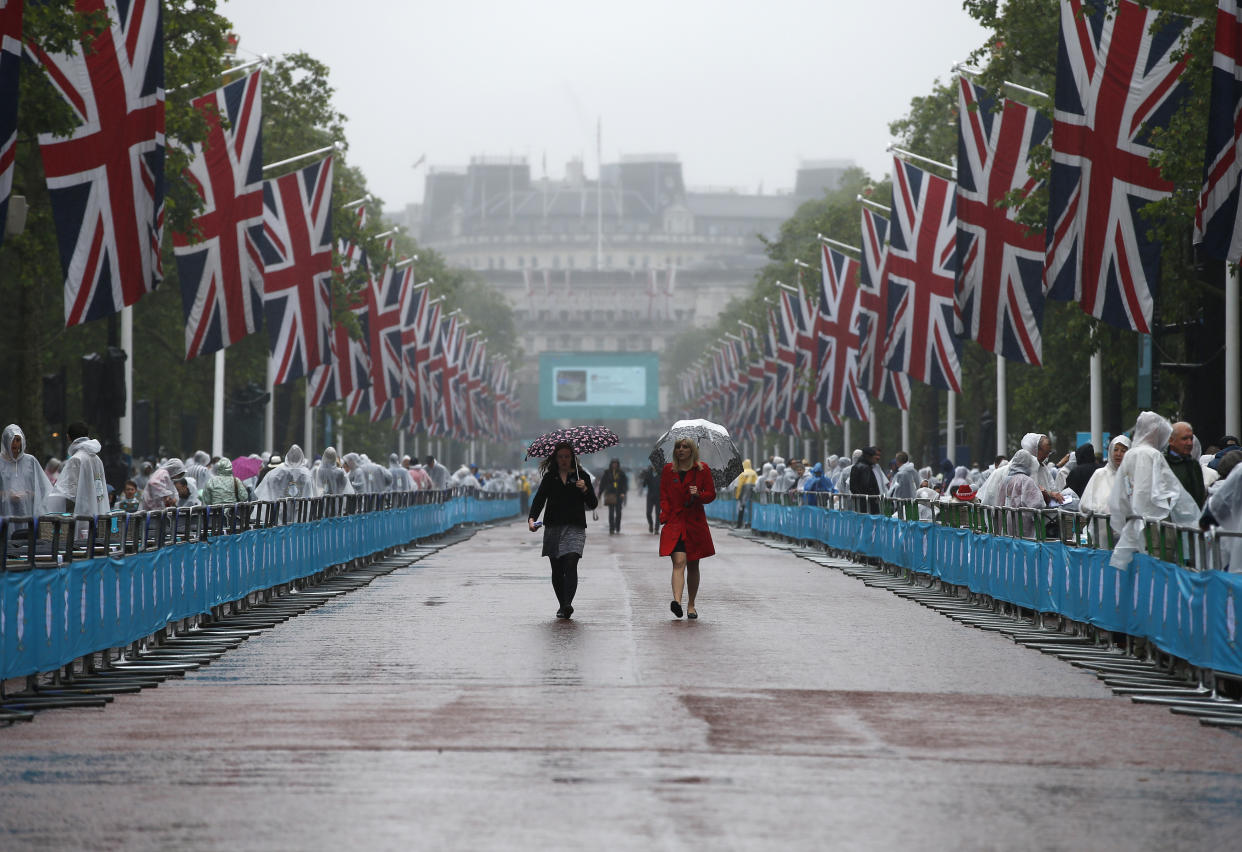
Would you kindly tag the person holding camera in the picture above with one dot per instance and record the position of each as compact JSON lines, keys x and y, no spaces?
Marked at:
{"x":613,"y":485}
{"x":563,"y":496}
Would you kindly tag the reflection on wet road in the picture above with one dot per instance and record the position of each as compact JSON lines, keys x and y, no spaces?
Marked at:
{"x":444,"y":706}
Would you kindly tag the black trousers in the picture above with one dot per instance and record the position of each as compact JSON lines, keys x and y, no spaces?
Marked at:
{"x":614,"y":516}
{"x":653,"y":514}
{"x":565,"y":577}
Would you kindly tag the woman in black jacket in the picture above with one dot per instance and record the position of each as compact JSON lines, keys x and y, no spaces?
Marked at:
{"x":613,"y":485}
{"x":566,"y":492}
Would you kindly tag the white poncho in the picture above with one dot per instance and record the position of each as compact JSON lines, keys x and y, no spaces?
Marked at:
{"x":1146,"y":489}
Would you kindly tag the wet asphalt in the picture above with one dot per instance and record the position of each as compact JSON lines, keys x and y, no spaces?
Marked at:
{"x":444,"y":706}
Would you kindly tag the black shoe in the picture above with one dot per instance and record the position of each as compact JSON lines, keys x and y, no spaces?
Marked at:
{"x":561,"y":613}
{"x":569,"y":610}
{"x":675,"y":606}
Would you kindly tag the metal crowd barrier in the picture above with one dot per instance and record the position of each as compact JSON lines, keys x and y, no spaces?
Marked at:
{"x":1188,"y":547}
{"x":75,"y":588}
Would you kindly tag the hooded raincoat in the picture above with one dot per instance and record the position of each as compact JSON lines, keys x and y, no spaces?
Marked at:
{"x":290,"y":478}
{"x":199,"y":467}
{"x":330,"y":479}
{"x":24,"y":486}
{"x":224,"y":488}
{"x":1146,"y":489}
{"x":1100,"y":486}
{"x":1225,"y":506}
{"x":81,"y":486}
{"x":905,"y":481}
{"x":400,"y":476}
{"x":159,"y":488}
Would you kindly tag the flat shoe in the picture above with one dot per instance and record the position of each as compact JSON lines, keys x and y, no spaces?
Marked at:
{"x":560,"y":613}
{"x":692,"y":615}
{"x":675,"y":606}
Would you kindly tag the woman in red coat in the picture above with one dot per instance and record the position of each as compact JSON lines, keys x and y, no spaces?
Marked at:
{"x":685,"y":486}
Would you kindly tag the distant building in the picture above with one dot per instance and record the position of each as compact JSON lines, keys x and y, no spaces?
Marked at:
{"x":618,"y":264}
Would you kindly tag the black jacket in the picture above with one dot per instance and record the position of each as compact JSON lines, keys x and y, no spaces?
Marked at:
{"x":862,"y":479}
{"x":1083,"y":471}
{"x":608,"y":484}
{"x":1189,"y":474}
{"x":566,"y":505}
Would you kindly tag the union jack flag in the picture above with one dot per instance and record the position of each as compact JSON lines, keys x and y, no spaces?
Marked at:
{"x":1000,"y":288}
{"x":428,"y":363}
{"x":221,"y":283}
{"x":771,"y":417}
{"x":786,"y":364}
{"x":1117,"y":81}
{"x":106,"y":179}
{"x":455,"y":380}
{"x":441,"y":422}
{"x":882,"y":383}
{"x":349,"y":370}
{"x":1218,"y":226}
{"x":414,"y":304}
{"x":297,"y":268}
{"x":752,"y":414}
{"x":837,"y":332}
{"x":10,"y":65}
{"x":384,"y":298}
{"x":921,"y":271}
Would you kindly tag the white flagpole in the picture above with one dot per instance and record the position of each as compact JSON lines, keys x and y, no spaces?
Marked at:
{"x":905,"y":429}
{"x":1002,"y":410}
{"x":127,"y":343}
{"x":845,"y":438}
{"x":308,"y":424}
{"x":269,"y":410}
{"x":873,"y":431}
{"x":951,"y":428}
{"x":1097,"y":403}
{"x":400,"y":444}
{"x":217,"y":407}
{"x":1233,"y":414}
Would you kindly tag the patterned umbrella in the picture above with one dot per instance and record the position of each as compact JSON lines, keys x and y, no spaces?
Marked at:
{"x":584,"y":439}
{"x":716,"y":449}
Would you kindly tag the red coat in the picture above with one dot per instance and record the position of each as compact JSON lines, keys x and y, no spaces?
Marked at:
{"x":682,"y":515}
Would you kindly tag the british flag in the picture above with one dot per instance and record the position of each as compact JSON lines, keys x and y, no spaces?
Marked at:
{"x":887,"y":386}
{"x":414,"y":304}
{"x":1117,"y":81}
{"x":427,"y":366}
{"x":921,"y":271}
{"x":10,"y":66}
{"x":297,"y":268}
{"x":1000,"y":285}
{"x":771,"y":417}
{"x":786,"y":364}
{"x":837,"y":332}
{"x":349,"y":370}
{"x":384,"y":298}
{"x":1218,"y":226}
{"x":219,"y":266}
{"x":752,"y":414}
{"x":455,"y":380}
{"x":106,"y":179}
{"x":441,"y":422}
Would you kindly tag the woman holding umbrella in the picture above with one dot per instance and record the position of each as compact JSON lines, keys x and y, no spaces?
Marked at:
{"x":685,"y":487}
{"x":564,"y":495}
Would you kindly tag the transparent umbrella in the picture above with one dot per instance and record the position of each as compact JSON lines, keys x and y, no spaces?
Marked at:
{"x":716,"y":449}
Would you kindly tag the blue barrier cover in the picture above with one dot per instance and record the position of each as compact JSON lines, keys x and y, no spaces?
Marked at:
{"x":1191,"y":615}
{"x":51,"y":616}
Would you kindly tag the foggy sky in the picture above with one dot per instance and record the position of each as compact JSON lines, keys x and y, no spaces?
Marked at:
{"x":741,"y":92}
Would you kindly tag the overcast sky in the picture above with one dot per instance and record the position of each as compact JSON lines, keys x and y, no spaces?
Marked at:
{"x":741,"y":92}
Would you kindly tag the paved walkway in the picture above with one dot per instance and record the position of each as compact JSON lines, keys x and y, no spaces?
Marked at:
{"x":444,"y":706}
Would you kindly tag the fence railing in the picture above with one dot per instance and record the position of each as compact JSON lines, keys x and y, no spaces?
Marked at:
{"x":1188,"y":547}
{"x":1187,"y":612}
{"x":73,"y":586}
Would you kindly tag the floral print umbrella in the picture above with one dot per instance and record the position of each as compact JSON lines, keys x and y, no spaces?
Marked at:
{"x":584,"y":439}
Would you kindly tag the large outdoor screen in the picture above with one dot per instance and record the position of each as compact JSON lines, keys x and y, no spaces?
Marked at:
{"x":599,"y":385}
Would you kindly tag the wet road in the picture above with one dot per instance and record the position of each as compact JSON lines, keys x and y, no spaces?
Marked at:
{"x":444,"y":706}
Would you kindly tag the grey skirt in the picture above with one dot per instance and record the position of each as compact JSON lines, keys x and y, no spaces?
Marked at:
{"x":561,"y":539}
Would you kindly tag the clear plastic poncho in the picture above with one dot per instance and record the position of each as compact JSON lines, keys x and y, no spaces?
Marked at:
{"x":330,"y":479}
{"x":290,"y":478}
{"x":1100,"y":486}
{"x":81,"y":487}
{"x":199,"y":467}
{"x":1225,"y":505}
{"x":1146,"y":489}
{"x":400,"y":476}
{"x":159,"y":487}
{"x":24,"y":486}
{"x":905,"y":481}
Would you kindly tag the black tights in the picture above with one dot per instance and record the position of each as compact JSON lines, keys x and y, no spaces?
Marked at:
{"x":565,"y":577}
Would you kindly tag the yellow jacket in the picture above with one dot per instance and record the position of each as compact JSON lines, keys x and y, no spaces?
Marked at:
{"x":746,"y":477}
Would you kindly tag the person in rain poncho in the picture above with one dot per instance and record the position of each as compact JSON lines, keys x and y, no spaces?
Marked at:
{"x":366,"y":476}
{"x":187,"y":492}
{"x":24,"y":487}
{"x":906,"y":480}
{"x":224,"y":488}
{"x":199,"y":468}
{"x":842,"y":480}
{"x":818,"y":483}
{"x":290,"y":478}
{"x":81,"y":487}
{"x":1100,"y":486}
{"x":463,"y":478}
{"x":961,"y":476}
{"x":1146,"y":489}
{"x":744,"y":489}
{"x":1224,"y":510}
{"x":421,"y":479}
{"x":52,"y":469}
{"x":160,"y":492}
{"x":400,"y":476}
{"x":439,"y":473}
{"x":767,"y":473}
{"x":144,"y":473}
{"x":330,"y":479}
{"x":1020,"y":491}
